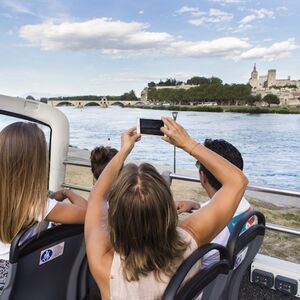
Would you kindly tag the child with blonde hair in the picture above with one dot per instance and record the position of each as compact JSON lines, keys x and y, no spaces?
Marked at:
{"x":23,"y":188}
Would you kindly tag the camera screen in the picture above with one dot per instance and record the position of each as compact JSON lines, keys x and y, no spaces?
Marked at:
{"x":149,"y":126}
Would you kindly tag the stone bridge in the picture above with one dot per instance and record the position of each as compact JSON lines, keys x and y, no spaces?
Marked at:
{"x":102,"y":103}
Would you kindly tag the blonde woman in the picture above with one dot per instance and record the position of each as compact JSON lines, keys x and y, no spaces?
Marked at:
{"x":134,"y":248}
{"x":23,"y":188}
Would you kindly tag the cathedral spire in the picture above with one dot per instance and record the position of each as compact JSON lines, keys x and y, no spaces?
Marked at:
{"x":254,"y":68}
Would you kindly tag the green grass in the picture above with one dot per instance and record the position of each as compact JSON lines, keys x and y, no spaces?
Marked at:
{"x":280,"y":245}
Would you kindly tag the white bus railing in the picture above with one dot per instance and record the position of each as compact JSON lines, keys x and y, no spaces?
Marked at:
{"x":273,"y":227}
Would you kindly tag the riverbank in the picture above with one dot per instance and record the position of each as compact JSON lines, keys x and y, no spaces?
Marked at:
{"x":222,"y":108}
{"x":285,"y":212}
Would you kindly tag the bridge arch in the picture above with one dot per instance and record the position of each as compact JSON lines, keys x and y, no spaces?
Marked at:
{"x":92,"y":103}
{"x":139,"y":103}
{"x":117,"y":103}
{"x":65,"y":103}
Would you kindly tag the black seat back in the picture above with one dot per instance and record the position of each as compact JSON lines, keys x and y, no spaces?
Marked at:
{"x":193,"y":287}
{"x":81,"y":285}
{"x":40,"y":264}
{"x":242,"y":249}
{"x":253,"y":235}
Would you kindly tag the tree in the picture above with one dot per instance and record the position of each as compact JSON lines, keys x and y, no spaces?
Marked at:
{"x":204,"y":90}
{"x":129,"y":96}
{"x":271,"y":99}
{"x":196,"y":80}
{"x":250,"y":100}
{"x":29,"y":97}
{"x":170,"y":82}
{"x":44,"y":100}
{"x":151,"y":84}
{"x":216,"y":81}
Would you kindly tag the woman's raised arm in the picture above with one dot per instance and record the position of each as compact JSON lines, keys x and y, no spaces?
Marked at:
{"x":208,"y":221}
{"x":96,"y":229}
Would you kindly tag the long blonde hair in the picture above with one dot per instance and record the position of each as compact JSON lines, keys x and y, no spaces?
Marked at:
{"x":23,"y":177}
{"x":143,"y":220}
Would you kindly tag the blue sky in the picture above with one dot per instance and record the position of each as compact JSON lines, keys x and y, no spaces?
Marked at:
{"x":74,"y":47}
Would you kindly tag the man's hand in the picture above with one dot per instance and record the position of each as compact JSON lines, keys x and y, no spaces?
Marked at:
{"x":186,"y":206}
{"x":176,"y":135}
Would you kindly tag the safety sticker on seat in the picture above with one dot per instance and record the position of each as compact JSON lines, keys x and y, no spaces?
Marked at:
{"x":240,"y":257}
{"x":51,"y":253}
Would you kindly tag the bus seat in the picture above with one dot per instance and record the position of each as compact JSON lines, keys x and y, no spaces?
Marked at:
{"x":81,"y":285}
{"x":41,"y":263}
{"x":166,"y":175}
{"x":242,"y":248}
{"x":194,"y":286}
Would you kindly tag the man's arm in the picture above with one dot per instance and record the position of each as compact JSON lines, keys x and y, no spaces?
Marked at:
{"x":208,"y":221}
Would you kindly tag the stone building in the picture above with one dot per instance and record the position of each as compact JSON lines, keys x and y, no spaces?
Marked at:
{"x":287,"y":90}
{"x":270,"y":80}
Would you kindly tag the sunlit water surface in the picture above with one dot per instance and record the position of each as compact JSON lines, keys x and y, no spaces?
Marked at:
{"x":269,"y":143}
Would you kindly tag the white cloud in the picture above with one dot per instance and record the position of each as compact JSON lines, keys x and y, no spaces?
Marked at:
{"x":212,"y":16}
{"x":115,"y":37}
{"x":100,"y":34}
{"x":141,"y":12}
{"x":223,"y":47}
{"x":16,"y":7}
{"x":233,"y":48}
{"x":262,"y":13}
{"x":257,"y":14}
{"x":187,"y":9}
{"x":193,"y":11}
{"x":275,"y":51}
{"x":248,"y":19}
{"x":124,"y":39}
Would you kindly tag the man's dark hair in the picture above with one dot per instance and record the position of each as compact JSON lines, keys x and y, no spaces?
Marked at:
{"x":100,"y":157}
{"x":226,"y":150}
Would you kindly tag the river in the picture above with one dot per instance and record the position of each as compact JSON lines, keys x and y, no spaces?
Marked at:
{"x":269,"y":143}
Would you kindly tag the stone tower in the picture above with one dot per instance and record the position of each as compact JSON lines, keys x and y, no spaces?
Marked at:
{"x":253,"y":81}
{"x":271,"y":79}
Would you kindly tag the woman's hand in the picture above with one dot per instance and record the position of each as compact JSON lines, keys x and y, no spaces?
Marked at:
{"x":128,"y":139}
{"x":176,"y":135}
{"x":58,"y":195}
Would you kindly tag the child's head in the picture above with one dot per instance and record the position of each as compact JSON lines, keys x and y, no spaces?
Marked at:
{"x":23,"y":177}
{"x":100,"y":157}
